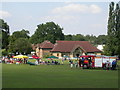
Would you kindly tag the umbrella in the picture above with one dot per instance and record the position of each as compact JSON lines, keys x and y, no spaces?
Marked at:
{"x":20,"y":56}
{"x":53,"y":57}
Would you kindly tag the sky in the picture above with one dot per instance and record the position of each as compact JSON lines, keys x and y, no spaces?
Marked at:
{"x":74,"y":17}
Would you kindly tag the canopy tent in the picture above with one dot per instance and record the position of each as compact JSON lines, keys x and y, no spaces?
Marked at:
{"x":20,"y":56}
{"x":53,"y":57}
{"x":35,"y":57}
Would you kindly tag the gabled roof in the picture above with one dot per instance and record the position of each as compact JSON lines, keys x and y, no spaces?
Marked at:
{"x":45,"y":44}
{"x":68,"y":46}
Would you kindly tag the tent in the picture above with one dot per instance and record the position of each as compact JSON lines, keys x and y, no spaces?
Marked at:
{"x":20,"y":56}
{"x":35,"y":57}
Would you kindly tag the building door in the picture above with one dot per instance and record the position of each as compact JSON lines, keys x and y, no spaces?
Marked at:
{"x":78,"y":52}
{"x":77,"y":55}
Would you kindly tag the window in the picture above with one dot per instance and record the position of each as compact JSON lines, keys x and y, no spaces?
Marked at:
{"x":57,"y":54}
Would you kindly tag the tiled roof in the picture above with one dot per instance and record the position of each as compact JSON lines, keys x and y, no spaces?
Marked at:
{"x":68,"y":46}
{"x":46,"y":44}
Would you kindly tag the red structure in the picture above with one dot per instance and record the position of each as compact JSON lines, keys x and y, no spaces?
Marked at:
{"x":35,"y":57}
{"x":89,"y":60}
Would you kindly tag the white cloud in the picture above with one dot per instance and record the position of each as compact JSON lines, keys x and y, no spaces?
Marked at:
{"x":95,"y":9}
{"x":72,"y":18}
{"x":77,"y":8}
{"x":4,"y":14}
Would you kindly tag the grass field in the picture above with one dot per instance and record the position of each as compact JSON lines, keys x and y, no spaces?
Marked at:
{"x":56,"y":76}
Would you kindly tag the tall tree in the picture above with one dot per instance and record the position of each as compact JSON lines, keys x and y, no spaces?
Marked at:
{"x":117,"y":29}
{"x":49,"y":31}
{"x":113,"y":44}
{"x":111,"y":28}
{"x":4,"y":33}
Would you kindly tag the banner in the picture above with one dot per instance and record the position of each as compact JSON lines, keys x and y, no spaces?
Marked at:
{"x":98,"y":62}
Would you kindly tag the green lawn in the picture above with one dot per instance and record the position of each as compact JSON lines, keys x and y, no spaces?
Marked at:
{"x":56,"y":76}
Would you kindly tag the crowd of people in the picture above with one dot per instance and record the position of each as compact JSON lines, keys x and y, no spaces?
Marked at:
{"x":11,"y":60}
{"x":38,"y":61}
{"x":49,"y":62}
{"x":83,"y":62}
{"x":110,"y":66}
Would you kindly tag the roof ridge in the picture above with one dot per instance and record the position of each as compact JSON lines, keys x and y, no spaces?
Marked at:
{"x":46,"y":44}
{"x":43,"y":43}
{"x":72,"y":41}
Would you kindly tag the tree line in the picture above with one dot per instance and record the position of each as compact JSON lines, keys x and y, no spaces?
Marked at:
{"x":20,"y":41}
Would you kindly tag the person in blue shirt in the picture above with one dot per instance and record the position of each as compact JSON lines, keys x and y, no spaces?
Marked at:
{"x":82,"y":60}
{"x":114,"y":63}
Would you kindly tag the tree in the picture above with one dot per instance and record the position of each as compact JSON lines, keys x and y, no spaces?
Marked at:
{"x":49,"y":31}
{"x":19,"y":34}
{"x":16,"y":44}
{"x":113,"y":42}
{"x":21,"y":45}
{"x":68,"y":37}
{"x":78,"y":37}
{"x":91,"y":39}
{"x":4,"y":34}
{"x":101,"y":40}
{"x":111,"y":29}
{"x":117,"y":29}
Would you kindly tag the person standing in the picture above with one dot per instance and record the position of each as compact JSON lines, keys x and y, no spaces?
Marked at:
{"x":114,"y":63}
{"x":79,"y":62}
{"x":71,"y":63}
{"x":107,"y":65}
{"x":38,"y":60}
{"x":62,"y":61}
{"x":76,"y":63}
{"x":82,"y":60}
{"x":85,"y":64}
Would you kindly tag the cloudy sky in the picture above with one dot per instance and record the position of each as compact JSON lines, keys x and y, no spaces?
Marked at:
{"x":75,"y":17}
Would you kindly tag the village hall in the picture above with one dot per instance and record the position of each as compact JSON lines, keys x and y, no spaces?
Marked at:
{"x":65,"y":48}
